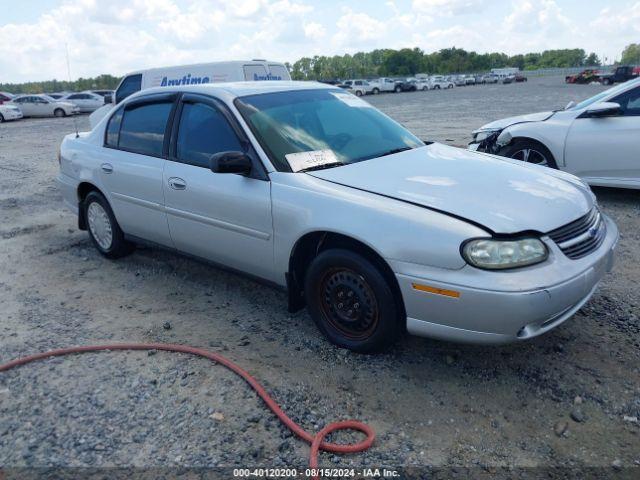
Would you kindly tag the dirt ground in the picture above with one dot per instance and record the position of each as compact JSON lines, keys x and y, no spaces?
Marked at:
{"x":570,"y":399}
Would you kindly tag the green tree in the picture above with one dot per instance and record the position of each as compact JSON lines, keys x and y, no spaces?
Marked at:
{"x":631,"y":54}
{"x":592,"y":60}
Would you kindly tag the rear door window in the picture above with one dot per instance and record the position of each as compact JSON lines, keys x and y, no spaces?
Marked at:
{"x":203,"y":131}
{"x":143,"y":128}
{"x":129,"y":86}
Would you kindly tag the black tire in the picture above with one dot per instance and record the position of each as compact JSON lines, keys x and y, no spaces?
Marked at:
{"x":517,"y":148}
{"x":369,"y":317}
{"x":1,"y":118}
{"x":59,"y":112}
{"x":397,"y":89}
{"x":358,"y":93}
{"x":437,"y":87}
{"x":376,"y":91}
{"x":118,"y":246}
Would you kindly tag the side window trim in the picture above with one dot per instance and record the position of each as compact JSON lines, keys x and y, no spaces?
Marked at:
{"x":258,"y":172}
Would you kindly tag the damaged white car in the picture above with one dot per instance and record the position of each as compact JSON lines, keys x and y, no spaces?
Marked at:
{"x":597,"y":139}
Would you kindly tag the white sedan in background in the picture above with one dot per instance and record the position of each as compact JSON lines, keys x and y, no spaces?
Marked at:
{"x":597,"y":139}
{"x":87,"y":102}
{"x":43,"y":106}
{"x":9,"y":112}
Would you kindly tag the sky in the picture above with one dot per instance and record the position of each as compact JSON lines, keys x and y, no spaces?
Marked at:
{"x":118,"y":36}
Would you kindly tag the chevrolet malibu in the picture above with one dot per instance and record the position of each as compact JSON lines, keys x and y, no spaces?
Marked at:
{"x":310,"y":188}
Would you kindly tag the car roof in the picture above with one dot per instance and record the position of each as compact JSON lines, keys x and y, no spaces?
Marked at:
{"x":233,"y":90}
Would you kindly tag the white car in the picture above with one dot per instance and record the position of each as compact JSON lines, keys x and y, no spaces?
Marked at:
{"x":86,"y":102}
{"x":314,"y":190}
{"x":43,"y":106}
{"x":9,"y":112}
{"x":438,"y":82}
{"x":383,"y":84}
{"x":597,"y":139}
{"x":361,"y":87}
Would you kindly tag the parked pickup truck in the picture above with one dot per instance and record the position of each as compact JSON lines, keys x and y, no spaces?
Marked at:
{"x":621,"y":74}
{"x":383,"y":84}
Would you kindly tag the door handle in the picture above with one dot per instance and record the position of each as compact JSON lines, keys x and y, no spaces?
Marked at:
{"x":177,"y":183}
{"x":107,"y":168}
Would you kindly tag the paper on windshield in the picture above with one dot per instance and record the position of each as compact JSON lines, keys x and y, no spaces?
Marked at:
{"x":351,"y":100}
{"x":301,"y":160}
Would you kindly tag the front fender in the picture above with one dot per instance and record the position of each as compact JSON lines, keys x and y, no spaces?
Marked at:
{"x":551,"y":133}
{"x":394,"y":229}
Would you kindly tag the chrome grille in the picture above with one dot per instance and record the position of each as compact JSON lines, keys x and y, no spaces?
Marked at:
{"x":582,"y":236}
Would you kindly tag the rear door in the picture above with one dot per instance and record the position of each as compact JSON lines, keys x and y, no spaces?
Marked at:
{"x":131,"y":166}
{"x":607,"y":147}
{"x":225,"y":218}
{"x":28,"y":106}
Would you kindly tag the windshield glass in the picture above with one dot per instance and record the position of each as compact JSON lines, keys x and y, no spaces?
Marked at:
{"x":602,"y":95}
{"x":320,"y":120}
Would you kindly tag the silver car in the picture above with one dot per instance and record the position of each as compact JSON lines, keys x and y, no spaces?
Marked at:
{"x":312,"y":189}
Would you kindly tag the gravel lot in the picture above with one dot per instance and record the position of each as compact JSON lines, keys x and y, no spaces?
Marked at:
{"x":570,"y":399}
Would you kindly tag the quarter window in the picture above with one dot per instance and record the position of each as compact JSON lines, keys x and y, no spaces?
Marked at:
{"x":143,"y":128}
{"x":203,"y":131}
{"x":113,"y":129}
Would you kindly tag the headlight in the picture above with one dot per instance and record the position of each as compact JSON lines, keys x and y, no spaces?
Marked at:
{"x":482,"y":135}
{"x":500,"y":254}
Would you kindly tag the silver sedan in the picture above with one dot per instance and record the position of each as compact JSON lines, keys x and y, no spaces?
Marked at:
{"x":310,"y":188}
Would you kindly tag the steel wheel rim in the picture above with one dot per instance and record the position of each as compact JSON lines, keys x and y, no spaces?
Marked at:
{"x":348,"y":303}
{"x":100,"y":225}
{"x":531,"y":155}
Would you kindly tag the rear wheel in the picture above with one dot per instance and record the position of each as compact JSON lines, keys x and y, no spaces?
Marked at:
{"x":437,"y":87}
{"x":376,"y":91}
{"x":104,"y":231}
{"x":358,"y":93}
{"x":58,"y":112}
{"x":398,"y":89}
{"x":351,"y":302}
{"x":1,"y":118}
{"x":529,"y":151}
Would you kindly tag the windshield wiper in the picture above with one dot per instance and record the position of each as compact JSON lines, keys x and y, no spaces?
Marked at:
{"x":323,"y":166}
{"x":395,"y":150}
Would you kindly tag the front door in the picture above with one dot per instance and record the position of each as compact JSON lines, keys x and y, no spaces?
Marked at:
{"x":225,"y":218}
{"x":607,"y":147}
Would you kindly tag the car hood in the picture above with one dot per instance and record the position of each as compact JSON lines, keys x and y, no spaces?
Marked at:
{"x":506,"y":122}
{"x":502,"y":195}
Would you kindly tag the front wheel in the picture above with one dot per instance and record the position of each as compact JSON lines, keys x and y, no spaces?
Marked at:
{"x":358,"y":93}
{"x":104,"y":231}
{"x":58,"y":112}
{"x":397,"y":89}
{"x":376,"y":91}
{"x":351,"y":302}
{"x":529,"y":151}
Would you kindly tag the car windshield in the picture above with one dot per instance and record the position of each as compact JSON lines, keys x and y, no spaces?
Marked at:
{"x":322,"y":120}
{"x":601,"y":95}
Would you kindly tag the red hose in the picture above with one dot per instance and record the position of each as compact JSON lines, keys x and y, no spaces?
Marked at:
{"x":317,"y":441}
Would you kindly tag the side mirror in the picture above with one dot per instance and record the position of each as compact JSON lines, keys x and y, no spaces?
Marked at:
{"x":602,"y":109}
{"x":108,"y":98}
{"x":231,"y":162}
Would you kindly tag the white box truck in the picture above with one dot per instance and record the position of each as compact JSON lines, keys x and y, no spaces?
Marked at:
{"x":232,"y":71}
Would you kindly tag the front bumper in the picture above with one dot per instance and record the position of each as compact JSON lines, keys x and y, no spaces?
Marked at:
{"x":11,"y":115}
{"x":494,"y":307}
